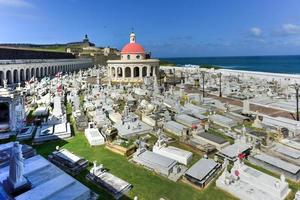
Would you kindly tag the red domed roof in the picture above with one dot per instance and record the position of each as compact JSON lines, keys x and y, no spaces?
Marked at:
{"x":133,"y":48}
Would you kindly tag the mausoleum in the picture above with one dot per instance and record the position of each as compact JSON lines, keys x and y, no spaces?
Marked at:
{"x":135,"y":64}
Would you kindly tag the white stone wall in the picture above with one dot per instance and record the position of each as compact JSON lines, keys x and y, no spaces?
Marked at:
{"x":24,"y":70}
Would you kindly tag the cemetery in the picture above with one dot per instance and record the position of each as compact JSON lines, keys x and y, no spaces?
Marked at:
{"x":170,"y":137}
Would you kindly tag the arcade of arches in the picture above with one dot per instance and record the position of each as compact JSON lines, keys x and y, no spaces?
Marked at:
{"x":19,"y":74}
{"x":132,"y":73}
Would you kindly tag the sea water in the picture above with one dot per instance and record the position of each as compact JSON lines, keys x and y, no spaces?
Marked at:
{"x":276,"y":64}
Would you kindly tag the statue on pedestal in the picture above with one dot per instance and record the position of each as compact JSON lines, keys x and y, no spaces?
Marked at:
{"x":16,"y":183}
{"x":5,"y":83}
{"x":257,"y":123}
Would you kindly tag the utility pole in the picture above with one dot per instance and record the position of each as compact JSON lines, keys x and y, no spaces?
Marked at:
{"x":174,"y":78}
{"x":297,"y":86}
{"x":220,"y":84}
{"x":203,"y":81}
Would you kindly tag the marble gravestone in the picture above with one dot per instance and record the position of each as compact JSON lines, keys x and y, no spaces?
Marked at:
{"x":16,"y":183}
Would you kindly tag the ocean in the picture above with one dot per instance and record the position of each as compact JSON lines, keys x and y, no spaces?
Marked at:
{"x":275,"y":64}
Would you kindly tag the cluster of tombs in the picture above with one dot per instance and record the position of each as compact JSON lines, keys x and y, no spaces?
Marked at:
{"x":127,"y":117}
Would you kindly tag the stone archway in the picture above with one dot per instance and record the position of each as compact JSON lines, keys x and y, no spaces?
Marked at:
{"x":120,"y":72}
{"x":1,"y":77}
{"x":37,"y":72}
{"x":136,"y":72}
{"x":144,"y":71}
{"x":151,"y":70}
{"x":27,"y":74}
{"x":32,"y":72}
{"x":9,"y":77}
{"x":42,"y":72}
{"x":22,"y":75}
{"x":15,"y":76}
{"x":127,"y":72}
{"x":4,"y":113}
{"x":113,"y":72}
{"x":45,"y":71}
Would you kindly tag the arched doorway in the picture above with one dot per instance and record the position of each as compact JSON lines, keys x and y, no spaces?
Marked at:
{"x":144,"y":71}
{"x":32,"y":72}
{"x":4,"y":113}
{"x":42,"y":72}
{"x":120,"y":72}
{"x":37,"y":72}
{"x":136,"y":72}
{"x":27,"y":74}
{"x":151,"y":71}
{"x":8,"y":77}
{"x":127,"y":72}
{"x":22,"y":75}
{"x":15,"y":76}
{"x":1,"y":77}
{"x":113,"y":72}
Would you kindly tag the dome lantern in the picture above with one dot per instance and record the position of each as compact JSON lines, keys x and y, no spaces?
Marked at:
{"x":132,"y":38}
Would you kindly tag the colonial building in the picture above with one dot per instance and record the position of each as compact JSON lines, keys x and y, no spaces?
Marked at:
{"x":134,"y":65}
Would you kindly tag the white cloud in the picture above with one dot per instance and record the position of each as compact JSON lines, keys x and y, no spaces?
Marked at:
{"x":291,"y":29}
{"x":16,"y":3}
{"x":257,"y":32}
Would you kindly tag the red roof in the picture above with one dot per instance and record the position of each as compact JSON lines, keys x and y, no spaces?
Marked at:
{"x":133,"y":48}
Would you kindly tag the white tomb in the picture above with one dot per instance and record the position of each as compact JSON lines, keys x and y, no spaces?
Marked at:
{"x":248,"y":183}
{"x":180,"y":155}
{"x":93,"y":135}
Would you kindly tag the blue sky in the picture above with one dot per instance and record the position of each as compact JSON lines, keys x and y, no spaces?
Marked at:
{"x":167,"y":28}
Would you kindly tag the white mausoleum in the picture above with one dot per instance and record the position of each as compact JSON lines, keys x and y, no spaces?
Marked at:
{"x":134,"y":64}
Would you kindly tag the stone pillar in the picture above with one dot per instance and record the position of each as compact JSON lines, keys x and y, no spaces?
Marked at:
{"x":154,"y":71}
{"x":132,"y":72}
{"x":4,"y":75}
{"x":123,"y":72}
{"x":148,"y":70}
{"x":116,"y":72}
{"x":141,"y":72}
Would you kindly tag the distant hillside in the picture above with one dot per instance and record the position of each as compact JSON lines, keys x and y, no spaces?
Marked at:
{"x":51,"y":47}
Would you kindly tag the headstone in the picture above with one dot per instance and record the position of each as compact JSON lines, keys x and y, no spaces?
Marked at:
{"x":257,"y":122}
{"x":246,"y":106}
